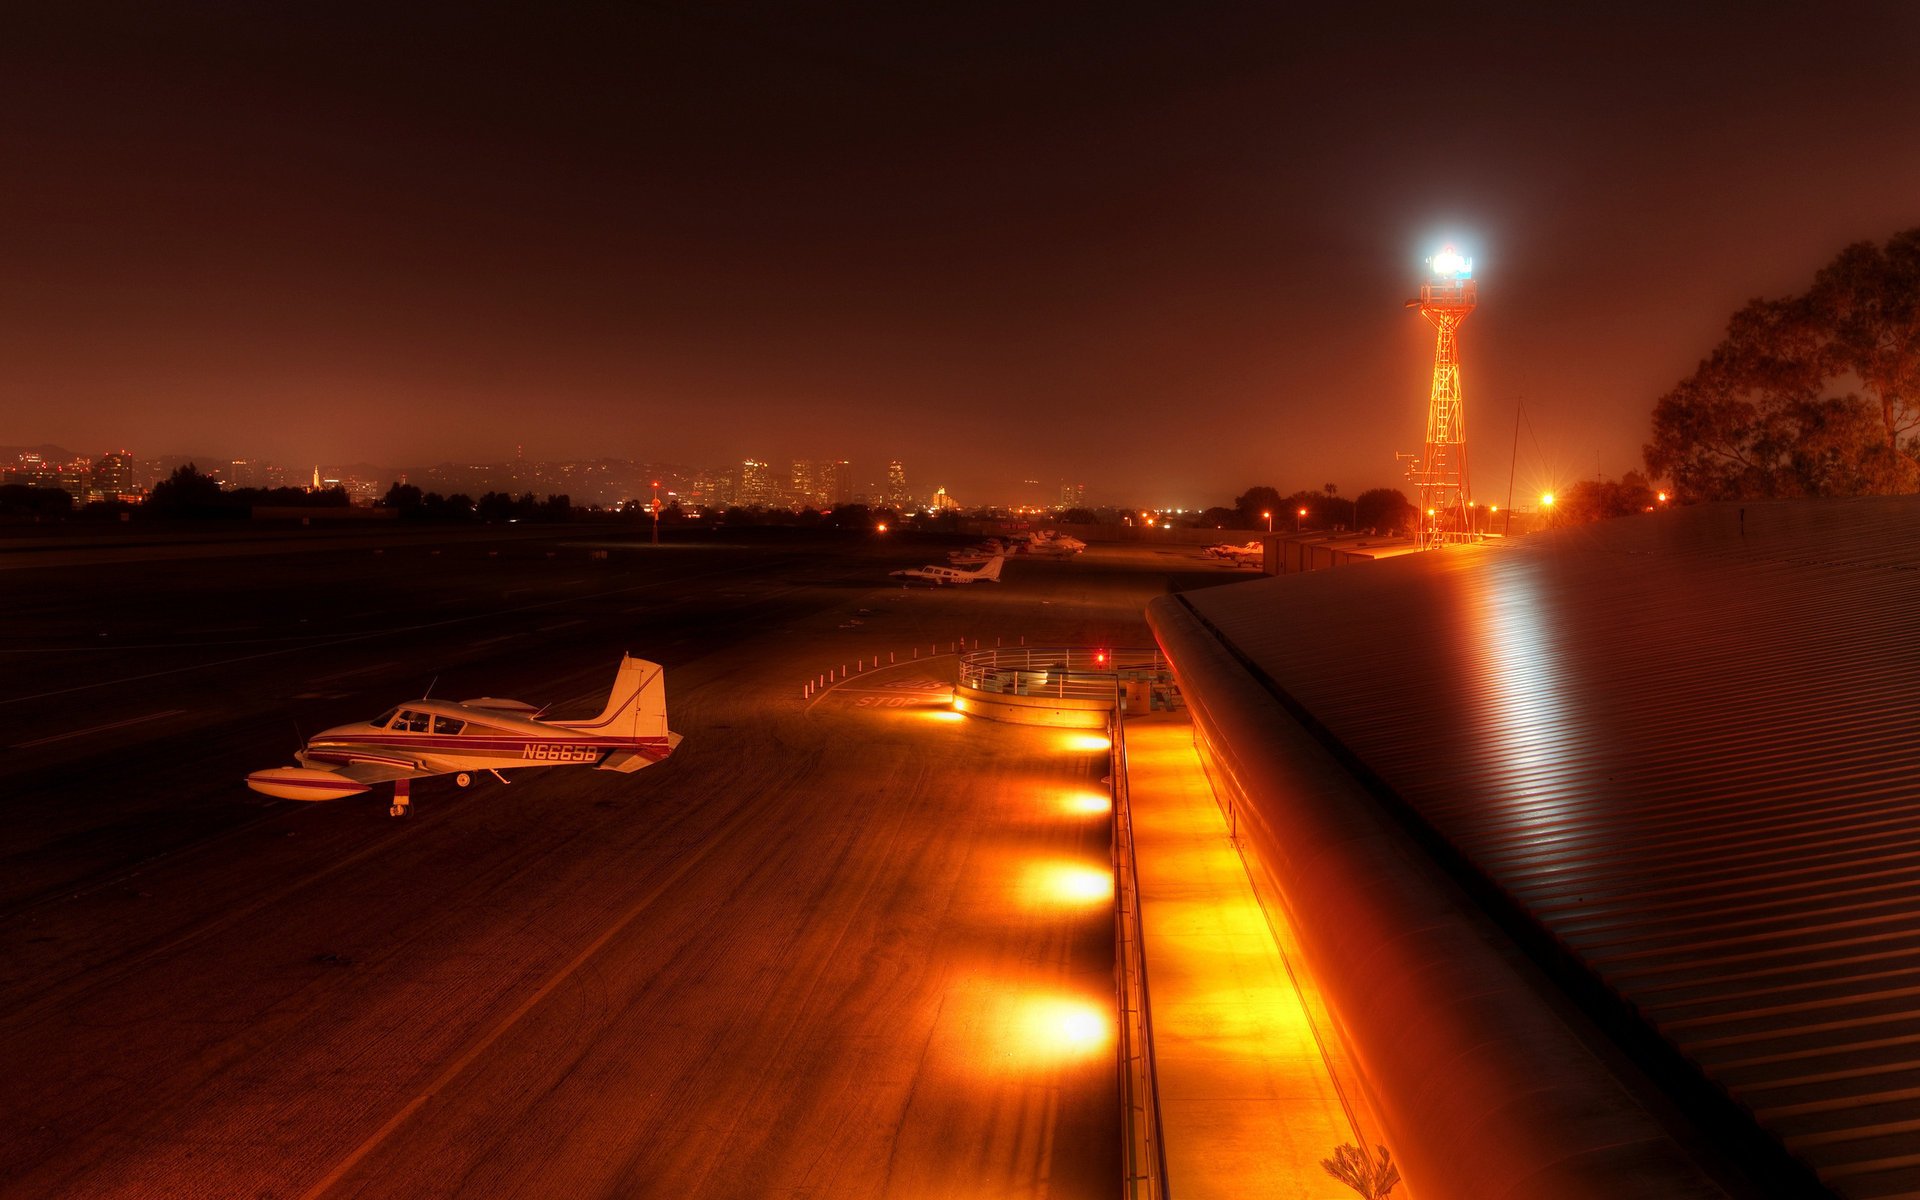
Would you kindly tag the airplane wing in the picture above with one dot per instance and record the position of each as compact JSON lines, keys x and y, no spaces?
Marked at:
{"x":368,"y":772}
{"x":365,"y":766}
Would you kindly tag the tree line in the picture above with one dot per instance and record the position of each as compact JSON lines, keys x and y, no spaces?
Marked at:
{"x":1377,"y":510}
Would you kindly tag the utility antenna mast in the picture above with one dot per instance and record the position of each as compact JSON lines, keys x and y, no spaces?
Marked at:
{"x":1439,"y":476}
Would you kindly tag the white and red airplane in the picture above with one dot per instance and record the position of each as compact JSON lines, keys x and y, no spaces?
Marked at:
{"x":1248,"y":555}
{"x":1049,"y":544}
{"x":946,"y":575}
{"x":440,"y":737}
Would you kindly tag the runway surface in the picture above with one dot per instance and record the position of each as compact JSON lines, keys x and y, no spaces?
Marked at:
{"x":836,"y":946}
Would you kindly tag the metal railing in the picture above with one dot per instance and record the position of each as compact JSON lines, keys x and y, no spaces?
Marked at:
{"x":1059,"y":671}
{"x":1143,"y":1164}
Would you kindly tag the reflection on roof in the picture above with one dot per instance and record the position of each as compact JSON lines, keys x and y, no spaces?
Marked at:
{"x":1686,"y":745}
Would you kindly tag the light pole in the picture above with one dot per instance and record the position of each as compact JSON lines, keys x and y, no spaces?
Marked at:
{"x":1269,"y":517}
{"x":1297,"y":518}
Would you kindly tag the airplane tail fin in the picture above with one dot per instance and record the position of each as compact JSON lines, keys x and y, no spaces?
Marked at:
{"x":992,"y":569}
{"x":636,"y":708}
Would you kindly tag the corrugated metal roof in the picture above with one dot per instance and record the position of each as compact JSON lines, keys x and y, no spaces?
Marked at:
{"x":1687,"y":745}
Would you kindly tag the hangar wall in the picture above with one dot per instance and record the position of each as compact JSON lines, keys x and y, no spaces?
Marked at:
{"x":1486,"y":1094}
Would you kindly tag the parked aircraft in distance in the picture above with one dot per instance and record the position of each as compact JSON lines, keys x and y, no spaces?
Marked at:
{"x":439,"y":737}
{"x":976,"y":556}
{"x":1054,"y":545}
{"x":1248,"y":555}
{"x":946,"y":575}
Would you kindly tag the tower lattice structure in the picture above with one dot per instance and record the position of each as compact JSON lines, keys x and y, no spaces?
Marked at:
{"x":1439,"y":476}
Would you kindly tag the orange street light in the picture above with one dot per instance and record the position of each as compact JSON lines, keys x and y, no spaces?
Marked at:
{"x":1269,"y":517}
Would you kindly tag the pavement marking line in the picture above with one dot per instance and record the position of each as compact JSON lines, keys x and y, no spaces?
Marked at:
{"x":337,"y":676}
{"x":562,"y":625}
{"x":349,"y":639}
{"x":61,"y":737}
{"x":473,"y":1052}
{"x":113,"y":971}
{"x":864,"y":676}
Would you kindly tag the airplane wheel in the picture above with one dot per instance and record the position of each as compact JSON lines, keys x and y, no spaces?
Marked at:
{"x":462,"y":779}
{"x":397,"y":811}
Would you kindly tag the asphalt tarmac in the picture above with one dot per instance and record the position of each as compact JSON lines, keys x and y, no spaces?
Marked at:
{"x":838,"y":945}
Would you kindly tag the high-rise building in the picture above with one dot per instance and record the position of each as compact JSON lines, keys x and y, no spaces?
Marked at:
{"x":840,"y":486}
{"x":1073,"y":495}
{"x":897,"y":494}
{"x":756,"y":485}
{"x":803,"y":484}
{"x":75,"y":478}
{"x":113,"y":476}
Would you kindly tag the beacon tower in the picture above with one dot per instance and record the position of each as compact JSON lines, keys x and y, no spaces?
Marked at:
{"x":1439,"y":475}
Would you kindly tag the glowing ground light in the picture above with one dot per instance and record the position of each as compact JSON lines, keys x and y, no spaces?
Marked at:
{"x":1087,"y":804}
{"x":1070,"y":884}
{"x":1055,"y":1029}
{"x":1088,"y":741}
{"x":943,"y":714}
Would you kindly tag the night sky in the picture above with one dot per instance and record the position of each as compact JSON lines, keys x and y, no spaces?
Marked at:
{"x":1158,"y":249}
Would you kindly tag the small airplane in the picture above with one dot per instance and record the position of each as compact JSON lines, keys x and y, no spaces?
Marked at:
{"x":1250,"y":554}
{"x":440,"y":737}
{"x":1054,"y":545}
{"x":946,"y":575}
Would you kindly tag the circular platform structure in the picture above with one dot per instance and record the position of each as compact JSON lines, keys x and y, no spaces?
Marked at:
{"x":1073,"y":687}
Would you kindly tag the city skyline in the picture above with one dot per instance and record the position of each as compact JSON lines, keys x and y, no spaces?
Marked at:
{"x":1140,"y":250}
{"x":817,"y":483}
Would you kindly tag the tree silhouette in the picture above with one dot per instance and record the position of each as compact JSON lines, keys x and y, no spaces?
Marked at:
{"x":187,"y":492}
{"x":1770,"y":412}
{"x":1385,"y":509}
{"x":1372,"y":1178}
{"x":1256,"y":500}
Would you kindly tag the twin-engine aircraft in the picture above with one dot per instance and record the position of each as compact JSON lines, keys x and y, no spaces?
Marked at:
{"x":1248,"y":555}
{"x":1054,"y":545}
{"x":439,"y":737}
{"x":946,"y":575}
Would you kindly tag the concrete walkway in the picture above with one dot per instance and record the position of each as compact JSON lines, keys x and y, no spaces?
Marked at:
{"x":1246,"y":1093}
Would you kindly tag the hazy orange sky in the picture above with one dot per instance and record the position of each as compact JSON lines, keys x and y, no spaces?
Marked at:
{"x":1161,"y":250}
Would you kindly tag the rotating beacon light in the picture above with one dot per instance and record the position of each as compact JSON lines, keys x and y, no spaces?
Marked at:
{"x":1439,"y":475}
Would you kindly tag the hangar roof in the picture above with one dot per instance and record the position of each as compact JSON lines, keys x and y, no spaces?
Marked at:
{"x":1687,"y":747}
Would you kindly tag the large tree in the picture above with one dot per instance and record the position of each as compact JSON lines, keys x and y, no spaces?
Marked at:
{"x":1384,"y":509}
{"x":1774,"y":410}
{"x":1255,"y":501}
{"x":1865,"y":307}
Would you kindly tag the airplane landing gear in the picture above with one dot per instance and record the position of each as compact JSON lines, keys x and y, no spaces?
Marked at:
{"x":400,"y":798}
{"x":463,"y":779}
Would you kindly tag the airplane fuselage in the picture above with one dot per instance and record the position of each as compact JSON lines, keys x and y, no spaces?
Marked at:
{"x":437,"y":736}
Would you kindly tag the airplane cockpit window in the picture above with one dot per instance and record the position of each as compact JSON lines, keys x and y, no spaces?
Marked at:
{"x":417,"y":722}
{"x":380,"y":722}
{"x":448,"y":725}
